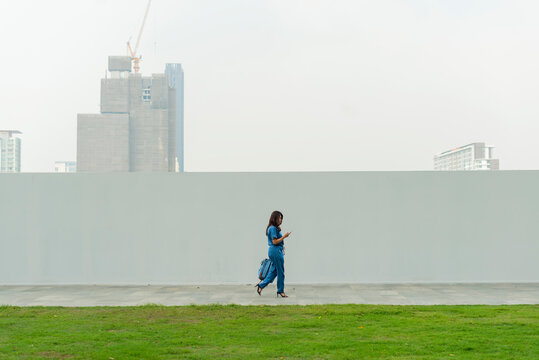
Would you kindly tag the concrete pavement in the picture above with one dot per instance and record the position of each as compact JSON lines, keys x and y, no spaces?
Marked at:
{"x":394,"y":294}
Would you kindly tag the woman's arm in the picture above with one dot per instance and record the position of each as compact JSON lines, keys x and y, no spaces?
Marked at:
{"x":280,"y":240}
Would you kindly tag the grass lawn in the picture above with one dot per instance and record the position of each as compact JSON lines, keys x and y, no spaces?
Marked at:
{"x":271,"y":332}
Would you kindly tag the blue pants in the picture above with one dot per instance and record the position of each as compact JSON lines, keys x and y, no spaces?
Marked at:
{"x":275,"y":253}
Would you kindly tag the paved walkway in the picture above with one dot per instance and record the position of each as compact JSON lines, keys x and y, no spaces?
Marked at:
{"x":395,"y":294}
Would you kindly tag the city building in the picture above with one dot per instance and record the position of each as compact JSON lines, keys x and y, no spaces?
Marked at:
{"x":174,"y":73}
{"x":10,"y":151}
{"x":65,"y":166}
{"x":136,"y":127}
{"x":475,"y":156}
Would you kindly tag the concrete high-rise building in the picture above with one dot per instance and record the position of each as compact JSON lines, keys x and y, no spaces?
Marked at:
{"x":65,"y":166}
{"x":103,"y":142}
{"x":10,"y":151}
{"x":136,"y":127}
{"x":174,"y":73}
{"x":475,"y":156}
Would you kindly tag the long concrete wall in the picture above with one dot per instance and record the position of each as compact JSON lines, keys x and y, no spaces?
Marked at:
{"x":208,"y":228}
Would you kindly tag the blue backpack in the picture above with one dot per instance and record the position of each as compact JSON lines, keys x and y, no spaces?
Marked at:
{"x":265,"y":267}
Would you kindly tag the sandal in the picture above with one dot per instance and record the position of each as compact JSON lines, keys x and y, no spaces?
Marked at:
{"x":282,"y":295}
{"x":259,"y":290}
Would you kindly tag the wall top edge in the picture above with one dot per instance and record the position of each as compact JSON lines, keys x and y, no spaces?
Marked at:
{"x":149,"y":173}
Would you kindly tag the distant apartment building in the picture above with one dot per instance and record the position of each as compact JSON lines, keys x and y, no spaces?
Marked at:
{"x":10,"y":151}
{"x":65,"y":166}
{"x":137,"y":127}
{"x":475,"y":156}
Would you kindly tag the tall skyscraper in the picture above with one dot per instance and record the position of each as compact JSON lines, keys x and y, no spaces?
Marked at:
{"x":136,"y":128}
{"x":10,"y":151}
{"x":475,"y":156}
{"x":174,"y":74}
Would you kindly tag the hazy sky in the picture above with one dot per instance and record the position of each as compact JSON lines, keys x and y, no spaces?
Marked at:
{"x":287,"y":85}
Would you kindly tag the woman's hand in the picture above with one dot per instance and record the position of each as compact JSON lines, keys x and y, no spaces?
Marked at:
{"x":287,"y":234}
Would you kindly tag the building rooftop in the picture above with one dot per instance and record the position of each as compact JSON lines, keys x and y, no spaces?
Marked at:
{"x":10,"y":132}
{"x":459,"y":148}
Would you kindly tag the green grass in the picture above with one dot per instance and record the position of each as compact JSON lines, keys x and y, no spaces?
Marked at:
{"x":271,"y":332}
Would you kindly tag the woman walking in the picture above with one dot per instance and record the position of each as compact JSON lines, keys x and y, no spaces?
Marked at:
{"x":275,"y":253}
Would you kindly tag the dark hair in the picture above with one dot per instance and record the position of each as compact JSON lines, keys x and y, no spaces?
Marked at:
{"x":273,"y":220}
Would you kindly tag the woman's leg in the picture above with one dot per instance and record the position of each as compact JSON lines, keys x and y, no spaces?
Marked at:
{"x":279,"y":266}
{"x":270,"y":277}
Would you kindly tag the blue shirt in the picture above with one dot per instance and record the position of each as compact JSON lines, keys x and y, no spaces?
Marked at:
{"x":274,"y":233}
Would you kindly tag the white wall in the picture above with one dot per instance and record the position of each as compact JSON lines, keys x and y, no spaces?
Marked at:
{"x":356,"y":227}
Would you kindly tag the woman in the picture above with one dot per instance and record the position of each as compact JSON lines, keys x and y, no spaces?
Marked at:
{"x":275,"y":253}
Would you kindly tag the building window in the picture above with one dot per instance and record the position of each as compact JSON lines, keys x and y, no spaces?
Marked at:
{"x":147,"y":94}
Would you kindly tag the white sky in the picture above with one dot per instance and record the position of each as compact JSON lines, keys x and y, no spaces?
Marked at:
{"x":287,"y":85}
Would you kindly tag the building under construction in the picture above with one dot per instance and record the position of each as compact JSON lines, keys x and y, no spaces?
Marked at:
{"x":140,"y":125}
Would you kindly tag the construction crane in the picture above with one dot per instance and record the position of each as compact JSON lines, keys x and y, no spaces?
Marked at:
{"x":136,"y":59}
